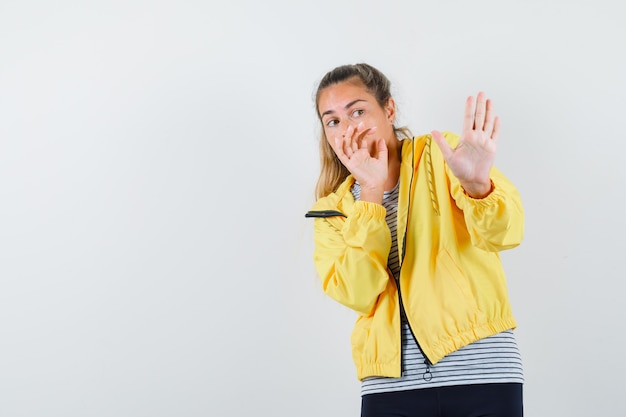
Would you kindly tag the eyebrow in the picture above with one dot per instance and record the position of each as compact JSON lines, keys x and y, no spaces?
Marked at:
{"x":347,"y":106}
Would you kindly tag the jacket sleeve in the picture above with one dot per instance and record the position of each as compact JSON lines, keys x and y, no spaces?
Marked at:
{"x":350,"y":256}
{"x":495,"y":222}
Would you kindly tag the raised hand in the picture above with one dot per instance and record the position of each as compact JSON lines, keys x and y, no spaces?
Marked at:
{"x":473,"y":157}
{"x":369,"y":167}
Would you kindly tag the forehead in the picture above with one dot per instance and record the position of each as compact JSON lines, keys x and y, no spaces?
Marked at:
{"x":338,"y":95}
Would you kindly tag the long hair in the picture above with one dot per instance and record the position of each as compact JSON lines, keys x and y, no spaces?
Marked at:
{"x":332,"y":171}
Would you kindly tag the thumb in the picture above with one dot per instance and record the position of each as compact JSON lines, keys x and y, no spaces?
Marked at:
{"x":381,"y":149}
{"x":443,"y":144}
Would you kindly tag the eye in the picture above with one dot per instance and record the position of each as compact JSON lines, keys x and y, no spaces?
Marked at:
{"x":357,"y":113}
{"x":332,"y":123}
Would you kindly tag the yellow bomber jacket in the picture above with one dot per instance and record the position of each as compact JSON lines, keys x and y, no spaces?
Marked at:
{"x":452,"y":284}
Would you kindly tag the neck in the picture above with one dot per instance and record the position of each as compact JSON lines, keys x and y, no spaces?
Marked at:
{"x":393,"y":163}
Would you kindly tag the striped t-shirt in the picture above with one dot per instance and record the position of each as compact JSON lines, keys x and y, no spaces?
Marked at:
{"x":494,"y":359}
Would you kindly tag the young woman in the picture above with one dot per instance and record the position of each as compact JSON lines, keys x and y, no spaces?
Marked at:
{"x":407,"y":234}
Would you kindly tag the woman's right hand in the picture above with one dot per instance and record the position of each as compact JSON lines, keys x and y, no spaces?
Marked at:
{"x":369,"y":168}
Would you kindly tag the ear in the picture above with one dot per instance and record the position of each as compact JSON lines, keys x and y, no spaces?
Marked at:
{"x":390,"y":109}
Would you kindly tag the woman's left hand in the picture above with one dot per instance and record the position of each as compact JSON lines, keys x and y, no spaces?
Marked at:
{"x":473,"y":157}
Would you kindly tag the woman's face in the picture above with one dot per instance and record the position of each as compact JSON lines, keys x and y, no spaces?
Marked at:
{"x":350,"y":104}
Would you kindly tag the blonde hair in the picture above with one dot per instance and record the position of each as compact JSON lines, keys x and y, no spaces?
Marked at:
{"x":332,"y":171}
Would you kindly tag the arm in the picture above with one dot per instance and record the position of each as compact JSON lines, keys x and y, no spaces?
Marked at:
{"x":351,"y":256}
{"x":491,"y":204}
{"x":495,"y":222}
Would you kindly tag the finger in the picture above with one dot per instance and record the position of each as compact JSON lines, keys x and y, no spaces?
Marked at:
{"x":347,"y":141}
{"x":381,"y":150}
{"x":348,"y":133}
{"x":489,"y":118}
{"x":340,"y":145}
{"x":348,"y":150}
{"x":479,"y":118}
{"x":443,"y":144}
{"x":357,"y":136}
{"x":363,"y":143}
{"x":337,"y":145}
{"x":360,"y":136}
{"x":359,"y":128}
{"x":363,"y":133}
{"x":354,"y":144}
{"x":360,"y":131}
{"x":468,"y":116}
{"x":496,"y":129}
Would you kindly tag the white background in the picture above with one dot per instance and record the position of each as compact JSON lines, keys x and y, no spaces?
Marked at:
{"x":157,"y":159}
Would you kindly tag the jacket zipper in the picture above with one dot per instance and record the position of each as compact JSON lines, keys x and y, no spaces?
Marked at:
{"x":428,"y":374}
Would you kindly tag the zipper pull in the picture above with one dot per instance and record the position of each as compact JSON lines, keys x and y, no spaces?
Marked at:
{"x":427,"y":375}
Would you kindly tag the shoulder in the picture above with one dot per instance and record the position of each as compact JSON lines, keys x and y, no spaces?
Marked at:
{"x":336,"y":199}
{"x":423,"y":144}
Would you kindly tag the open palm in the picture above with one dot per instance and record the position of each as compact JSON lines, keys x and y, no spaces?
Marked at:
{"x":473,"y":157}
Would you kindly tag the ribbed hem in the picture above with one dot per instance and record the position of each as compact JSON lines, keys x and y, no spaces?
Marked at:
{"x":438,"y":350}
{"x":378,"y":369}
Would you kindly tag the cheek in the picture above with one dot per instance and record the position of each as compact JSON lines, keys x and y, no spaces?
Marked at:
{"x":330,"y":133}
{"x":326,"y":134}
